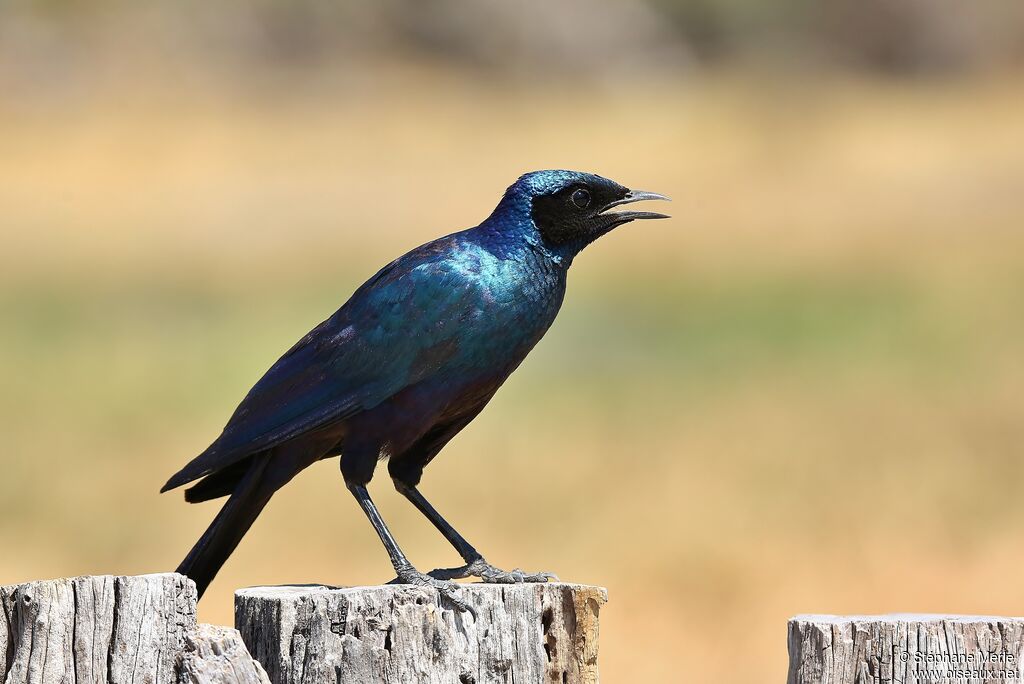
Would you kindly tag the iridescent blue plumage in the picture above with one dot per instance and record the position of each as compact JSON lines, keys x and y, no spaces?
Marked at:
{"x":408,"y":361}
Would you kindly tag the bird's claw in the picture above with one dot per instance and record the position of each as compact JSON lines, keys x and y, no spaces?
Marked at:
{"x":447,"y":589}
{"x":492,"y":575}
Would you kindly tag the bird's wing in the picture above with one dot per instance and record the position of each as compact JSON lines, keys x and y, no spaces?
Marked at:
{"x":395,"y":330}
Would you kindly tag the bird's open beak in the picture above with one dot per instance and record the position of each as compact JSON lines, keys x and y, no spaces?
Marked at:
{"x":635,"y":196}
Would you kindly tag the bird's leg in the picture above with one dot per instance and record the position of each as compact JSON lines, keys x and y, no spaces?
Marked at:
{"x":475,"y":565}
{"x":406,"y":573}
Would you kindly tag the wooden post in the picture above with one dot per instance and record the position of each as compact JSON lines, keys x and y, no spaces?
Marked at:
{"x":139,"y":630}
{"x":527,"y":634}
{"x":216,"y":655}
{"x":143,"y":630}
{"x":830,"y":649}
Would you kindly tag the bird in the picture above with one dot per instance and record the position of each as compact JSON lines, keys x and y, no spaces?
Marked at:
{"x":403,"y":366}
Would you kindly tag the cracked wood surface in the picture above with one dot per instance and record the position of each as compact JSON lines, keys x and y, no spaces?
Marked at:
{"x":527,"y":633}
{"x":116,"y":630}
{"x":217,"y":655}
{"x":906,"y":648}
{"x":95,"y":629}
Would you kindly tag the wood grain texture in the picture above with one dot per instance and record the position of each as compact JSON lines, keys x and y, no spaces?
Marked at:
{"x":215,"y":655}
{"x":95,"y":629}
{"x":528,"y":633}
{"x":829,"y":649}
{"x":116,"y":630}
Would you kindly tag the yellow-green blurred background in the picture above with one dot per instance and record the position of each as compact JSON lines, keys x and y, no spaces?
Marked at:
{"x":804,"y":393}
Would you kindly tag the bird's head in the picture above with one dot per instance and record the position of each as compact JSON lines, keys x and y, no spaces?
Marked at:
{"x":571,"y":209}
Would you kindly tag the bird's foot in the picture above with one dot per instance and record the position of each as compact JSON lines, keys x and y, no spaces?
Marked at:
{"x":492,"y":575}
{"x":447,"y":589}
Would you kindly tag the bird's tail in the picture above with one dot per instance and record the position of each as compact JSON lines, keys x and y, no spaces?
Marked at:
{"x":225,"y":532}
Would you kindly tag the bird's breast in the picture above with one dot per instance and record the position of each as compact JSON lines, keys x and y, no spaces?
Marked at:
{"x":509,"y":304}
{"x":519,"y":293}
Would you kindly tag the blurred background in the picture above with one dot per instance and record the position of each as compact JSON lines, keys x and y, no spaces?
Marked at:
{"x":804,"y":393}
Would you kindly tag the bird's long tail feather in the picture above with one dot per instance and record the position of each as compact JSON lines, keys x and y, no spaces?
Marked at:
{"x":227,"y":529}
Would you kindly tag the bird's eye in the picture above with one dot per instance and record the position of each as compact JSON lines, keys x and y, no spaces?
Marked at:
{"x":581,"y":198}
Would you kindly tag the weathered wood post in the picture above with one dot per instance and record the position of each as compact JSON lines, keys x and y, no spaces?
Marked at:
{"x":879,"y":649}
{"x":143,"y":630}
{"x":115,"y":629}
{"x":526,"y":633}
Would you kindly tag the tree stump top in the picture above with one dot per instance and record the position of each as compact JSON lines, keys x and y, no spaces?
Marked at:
{"x":143,"y":630}
{"x":905,"y":647}
{"x":901,"y":617}
{"x":315,"y":634}
{"x":276,"y":591}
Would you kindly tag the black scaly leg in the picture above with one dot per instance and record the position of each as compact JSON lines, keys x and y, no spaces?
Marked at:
{"x":407,"y":574}
{"x":475,"y":565}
